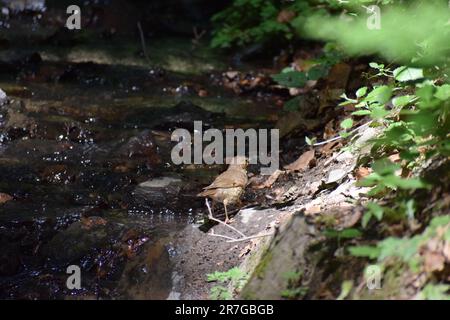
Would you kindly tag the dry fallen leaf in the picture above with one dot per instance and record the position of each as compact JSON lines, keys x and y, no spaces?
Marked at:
{"x":285,"y":16}
{"x":89,"y":222}
{"x":231,"y":74}
{"x":312,"y":210}
{"x":202,"y":93}
{"x":247,"y":249}
{"x":394,"y":157}
{"x":329,"y":131}
{"x":270,"y":181}
{"x":303,"y":162}
{"x":446,"y":250}
{"x":362,"y":172}
{"x":5,"y":198}
{"x":329,"y":147}
{"x":339,"y":75}
{"x":434,"y":261}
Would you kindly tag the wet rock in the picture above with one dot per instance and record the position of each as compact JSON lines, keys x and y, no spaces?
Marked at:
{"x":76,"y":241}
{"x":18,"y":120}
{"x":147,"y":276}
{"x":183,"y":115}
{"x":287,"y":253}
{"x":157,"y":191}
{"x":142,"y":146}
{"x":336,"y":175}
{"x":4,"y":197}
{"x":57,"y":173}
{"x":9,"y":260}
{"x":3,"y":97}
{"x":160,"y":182}
{"x":33,"y":149}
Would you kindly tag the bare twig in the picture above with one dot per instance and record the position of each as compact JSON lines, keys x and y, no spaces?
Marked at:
{"x":144,"y":47}
{"x":339,"y":137}
{"x":210,"y":216}
{"x":231,"y":239}
{"x":197,"y":36}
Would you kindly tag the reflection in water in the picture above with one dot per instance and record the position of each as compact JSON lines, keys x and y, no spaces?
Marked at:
{"x":21,"y":5}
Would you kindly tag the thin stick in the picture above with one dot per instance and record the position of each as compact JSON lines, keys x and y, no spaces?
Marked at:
{"x":210,"y":216}
{"x":221,"y":236}
{"x":251,"y":237}
{"x":231,"y":239}
{"x":144,"y":47}
{"x":339,"y":137}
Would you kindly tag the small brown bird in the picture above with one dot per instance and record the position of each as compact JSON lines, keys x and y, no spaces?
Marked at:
{"x":229,"y":186}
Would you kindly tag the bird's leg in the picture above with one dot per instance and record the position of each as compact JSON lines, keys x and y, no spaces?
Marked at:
{"x":227,"y":220}
{"x":212,"y":207}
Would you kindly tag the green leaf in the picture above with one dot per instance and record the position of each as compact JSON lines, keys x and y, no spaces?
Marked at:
{"x":404,"y":74}
{"x":376,"y":210}
{"x":317,"y":72}
{"x":366,"y":219}
{"x":435,"y":292}
{"x":309,"y":141}
{"x":395,"y":181}
{"x":384,"y":167}
{"x":375,"y":65}
{"x":380,"y":94}
{"x":347,"y":123}
{"x":343,"y":234}
{"x":378,"y":112}
{"x":361,"y":113}
{"x":402,"y":101}
{"x":220,"y":293}
{"x":293,"y":104}
{"x":346,"y":287}
{"x":361,"y":92}
{"x":443,"y":92}
{"x":291,"y":79}
{"x":350,"y":233}
{"x":364,"y":251}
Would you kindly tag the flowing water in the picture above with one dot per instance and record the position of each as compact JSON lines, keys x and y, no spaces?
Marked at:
{"x":85,"y":156}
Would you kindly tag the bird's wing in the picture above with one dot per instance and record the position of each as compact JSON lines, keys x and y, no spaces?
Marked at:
{"x":229,"y":179}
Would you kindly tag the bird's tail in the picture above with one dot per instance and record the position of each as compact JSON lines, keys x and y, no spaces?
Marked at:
{"x":206,"y":193}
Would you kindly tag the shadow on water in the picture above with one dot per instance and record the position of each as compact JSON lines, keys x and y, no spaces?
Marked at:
{"x":85,"y":155}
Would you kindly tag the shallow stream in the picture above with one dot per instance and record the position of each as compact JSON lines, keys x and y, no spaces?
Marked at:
{"x":85,"y":156}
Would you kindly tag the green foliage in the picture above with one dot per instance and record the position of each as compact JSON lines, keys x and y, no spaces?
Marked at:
{"x":409,"y":102}
{"x":413,"y":111}
{"x":404,"y":74}
{"x":253,"y":21}
{"x":294,"y":79}
{"x":373,"y":210}
{"x":310,"y":141}
{"x":291,"y":79}
{"x":346,"y":124}
{"x":406,"y":249}
{"x":293,"y":290}
{"x":220,"y":293}
{"x":435,"y":292}
{"x":234,"y":275}
{"x":385,"y":177}
{"x":424,"y":41}
{"x":346,"y":287}
{"x":343,"y":234}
